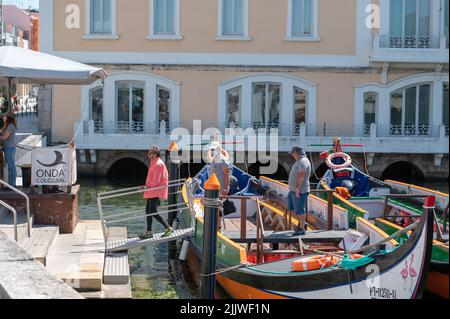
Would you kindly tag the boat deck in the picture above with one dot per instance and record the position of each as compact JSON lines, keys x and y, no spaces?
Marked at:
{"x":288,"y":237}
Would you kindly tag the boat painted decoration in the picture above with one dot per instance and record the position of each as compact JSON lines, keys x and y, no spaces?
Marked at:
{"x":380,"y":274}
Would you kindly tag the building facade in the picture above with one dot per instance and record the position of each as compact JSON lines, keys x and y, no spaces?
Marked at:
{"x":374,"y":72}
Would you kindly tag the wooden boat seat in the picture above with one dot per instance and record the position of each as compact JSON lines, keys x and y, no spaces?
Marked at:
{"x":287,"y":237}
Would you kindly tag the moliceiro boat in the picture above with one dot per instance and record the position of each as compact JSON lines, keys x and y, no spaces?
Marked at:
{"x":391,"y":206}
{"x":260,"y":256}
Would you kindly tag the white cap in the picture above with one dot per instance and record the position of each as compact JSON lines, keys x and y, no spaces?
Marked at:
{"x":215,"y":145}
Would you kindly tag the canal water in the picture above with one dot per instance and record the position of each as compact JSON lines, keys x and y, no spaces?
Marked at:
{"x":155,"y":273}
{"x":155,"y":270}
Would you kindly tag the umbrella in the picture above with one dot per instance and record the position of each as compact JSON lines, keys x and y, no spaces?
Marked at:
{"x":32,"y":67}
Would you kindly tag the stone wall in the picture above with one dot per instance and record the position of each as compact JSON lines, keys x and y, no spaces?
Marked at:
{"x":433,"y":167}
{"x":23,"y":278}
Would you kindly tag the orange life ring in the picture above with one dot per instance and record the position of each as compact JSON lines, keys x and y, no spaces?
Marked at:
{"x":314,"y":263}
{"x":347,"y":158}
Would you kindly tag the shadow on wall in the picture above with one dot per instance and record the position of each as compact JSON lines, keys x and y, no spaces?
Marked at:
{"x":404,"y":172}
{"x":128,"y":169}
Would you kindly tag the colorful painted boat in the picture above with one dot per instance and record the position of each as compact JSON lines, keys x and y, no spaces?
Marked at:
{"x":267,"y":273}
{"x":368,"y":199}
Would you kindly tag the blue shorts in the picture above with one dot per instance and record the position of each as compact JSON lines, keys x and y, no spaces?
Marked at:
{"x":298,"y":205}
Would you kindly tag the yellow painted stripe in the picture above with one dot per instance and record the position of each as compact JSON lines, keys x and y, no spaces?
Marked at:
{"x":378,"y":230}
{"x":272,"y":180}
{"x":386,"y":222}
{"x":345,"y":201}
{"x":417,"y":187}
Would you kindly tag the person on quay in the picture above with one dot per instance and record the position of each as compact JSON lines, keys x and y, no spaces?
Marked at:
{"x":157,"y":184}
{"x":299,"y":187}
{"x":8,"y":139}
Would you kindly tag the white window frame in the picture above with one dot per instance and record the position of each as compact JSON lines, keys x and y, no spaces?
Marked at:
{"x":155,"y":36}
{"x":287,"y":101}
{"x":315,"y":24}
{"x":150,"y":107}
{"x":92,"y":36}
{"x":384,"y":95}
{"x":435,"y":17}
{"x":227,"y":37}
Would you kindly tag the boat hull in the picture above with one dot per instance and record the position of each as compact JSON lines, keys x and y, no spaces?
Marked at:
{"x":438,"y":280}
{"x":247,"y":283}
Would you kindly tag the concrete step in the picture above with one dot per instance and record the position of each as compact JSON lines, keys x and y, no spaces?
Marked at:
{"x":117,"y":269}
{"x":42,"y":240}
{"x":78,"y":258}
{"x":7,"y":224}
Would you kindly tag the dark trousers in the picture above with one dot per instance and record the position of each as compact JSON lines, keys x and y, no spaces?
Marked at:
{"x":152,"y":208}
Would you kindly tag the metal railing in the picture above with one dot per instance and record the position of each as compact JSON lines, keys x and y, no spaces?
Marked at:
{"x":11,"y":209}
{"x":409,"y":42}
{"x":27,"y":198}
{"x":112,"y":219}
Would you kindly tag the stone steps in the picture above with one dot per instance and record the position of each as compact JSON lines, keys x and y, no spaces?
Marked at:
{"x":40,"y":243}
{"x":7,"y":223}
{"x":117,"y":267}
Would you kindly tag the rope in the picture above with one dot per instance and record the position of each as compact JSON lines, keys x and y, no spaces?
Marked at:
{"x":312,"y":163}
{"x":365,"y":160}
{"x":223,"y":270}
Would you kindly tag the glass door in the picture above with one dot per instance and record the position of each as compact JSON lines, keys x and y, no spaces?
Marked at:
{"x":130,"y":107}
{"x":266,"y":105}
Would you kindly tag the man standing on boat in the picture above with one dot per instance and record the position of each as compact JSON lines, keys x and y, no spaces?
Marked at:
{"x":157,"y":184}
{"x":299,"y":187}
{"x":219,"y":164}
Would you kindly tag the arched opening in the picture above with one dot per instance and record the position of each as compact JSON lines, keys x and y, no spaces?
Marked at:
{"x":404,"y":172}
{"x":319,"y":172}
{"x":280,"y":174}
{"x":128,"y":171}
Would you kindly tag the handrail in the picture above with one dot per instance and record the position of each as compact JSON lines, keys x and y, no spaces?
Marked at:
{"x":127,"y":192}
{"x":27,"y":198}
{"x":137,"y":188}
{"x":143,"y":216}
{"x":138,"y":191}
{"x":2,"y":203}
{"x":139,"y":211}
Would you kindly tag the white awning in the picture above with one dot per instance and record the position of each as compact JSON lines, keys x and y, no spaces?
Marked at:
{"x":28,"y":66}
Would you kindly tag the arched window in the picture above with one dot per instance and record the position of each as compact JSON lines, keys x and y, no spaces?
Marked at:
{"x":130,"y":106}
{"x":265,"y":100}
{"x":96,"y":108}
{"x":410,"y":110}
{"x":370,"y":111}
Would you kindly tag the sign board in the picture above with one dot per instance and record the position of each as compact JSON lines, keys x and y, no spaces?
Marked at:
{"x":53,"y":167}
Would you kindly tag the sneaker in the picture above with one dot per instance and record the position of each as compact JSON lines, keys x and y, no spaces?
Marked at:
{"x":147,"y":235}
{"x":299,"y":231}
{"x":169,"y":231}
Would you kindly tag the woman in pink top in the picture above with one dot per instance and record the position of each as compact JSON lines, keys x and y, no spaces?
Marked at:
{"x":157,"y":183}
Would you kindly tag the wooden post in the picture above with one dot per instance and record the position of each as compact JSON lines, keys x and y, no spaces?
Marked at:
{"x":174,"y":174}
{"x":260,"y":234}
{"x":386,"y":205}
{"x":212,"y":188}
{"x":244,"y":218}
{"x":330,"y":210}
{"x":444,"y":218}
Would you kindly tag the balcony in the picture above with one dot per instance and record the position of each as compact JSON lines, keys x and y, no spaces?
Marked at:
{"x":419,"y":49}
{"x":421,"y":139}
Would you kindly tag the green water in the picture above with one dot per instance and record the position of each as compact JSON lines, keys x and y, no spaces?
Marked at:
{"x":155,"y":272}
